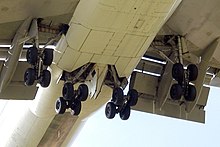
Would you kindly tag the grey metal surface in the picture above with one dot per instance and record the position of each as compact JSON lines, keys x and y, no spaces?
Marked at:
{"x":16,"y":89}
{"x":58,"y":130}
{"x":197,"y":20}
{"x":53,"y":11}
{"x":149,"y":99}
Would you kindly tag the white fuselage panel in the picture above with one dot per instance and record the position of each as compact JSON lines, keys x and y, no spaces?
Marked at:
{"x":111,"y":32}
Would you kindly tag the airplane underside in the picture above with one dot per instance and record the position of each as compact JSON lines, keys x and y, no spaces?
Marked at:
{"x":104,"y":47}
{"x":87,"y":44}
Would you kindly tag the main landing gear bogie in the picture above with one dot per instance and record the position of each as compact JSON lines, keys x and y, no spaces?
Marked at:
{"x":39,"y":61}
{"x":62,"y":104}
{"x":184,"y":77}
{"x":72,"y":98}
{"x":121,"y":103}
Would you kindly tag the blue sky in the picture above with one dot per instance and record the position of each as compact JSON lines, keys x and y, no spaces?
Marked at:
{"x":149,"y":130}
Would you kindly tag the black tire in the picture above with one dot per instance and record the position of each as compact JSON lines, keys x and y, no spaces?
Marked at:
{"x":117,"y":96}
{"x":192,"y":70}
{"x":133,"y":97}
{"x":83,"y":92}
{"x":125,"y":113}
{"x":60,"y":106}
{"x":176,"y":92}
{"x":29,"y":77}
{"x":45,"y":78}
{"x":32,"y":55}
{"x":178,"y":72}
{"x":190,"y":95}
{"x":76,"y":107}
{"x":47,"y":57}
{"x":110,"y":110}
{"x":68,"y":91}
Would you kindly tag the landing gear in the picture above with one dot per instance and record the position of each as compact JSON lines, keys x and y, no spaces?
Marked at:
{"x":121,"y":103}
{"x":183,"y":87}
{"x":61,"y":105}
{"x":40,"y":58}
{"x":39,"y":61}
{"x":184,"y":77}
{"x":74,"y":98}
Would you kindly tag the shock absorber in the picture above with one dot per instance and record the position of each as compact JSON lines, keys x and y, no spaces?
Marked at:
{"x":180,"y":50}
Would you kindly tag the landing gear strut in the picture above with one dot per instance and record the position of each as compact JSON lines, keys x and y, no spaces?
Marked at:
{"x":183,"y":87}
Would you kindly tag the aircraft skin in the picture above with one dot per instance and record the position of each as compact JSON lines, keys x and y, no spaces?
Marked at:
{"x":102,"y":32}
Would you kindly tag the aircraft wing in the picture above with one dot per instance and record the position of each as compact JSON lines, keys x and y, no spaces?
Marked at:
{"x":199,"y":44}
{"x":13,"y":13}
{"x":200,"y":32}
{"x":12,"y":74}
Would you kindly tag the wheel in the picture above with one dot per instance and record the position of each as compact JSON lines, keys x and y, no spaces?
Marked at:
{"x":83,"y":92}
{"x":45,"y":78}
{"x":190,"y":94}
{"x":110,"y":110}
{"x":178,"y":72}
{"x":31,"y":55}
{"x":125,"y":113}
{"x":60,"y":106}
{"x":117,"y":96}
{"x":29,"y":77}
{"x":192,"y":70}
{"x":68,"y":91}
{"x":47,"y":57}
{"x":176,"y":91}
{"x":76,"y":107}
{"x":133,"y":97}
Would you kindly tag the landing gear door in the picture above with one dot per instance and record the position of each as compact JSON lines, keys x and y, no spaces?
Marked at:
{"x":96,"y":80}
{"x":144,"y":84}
